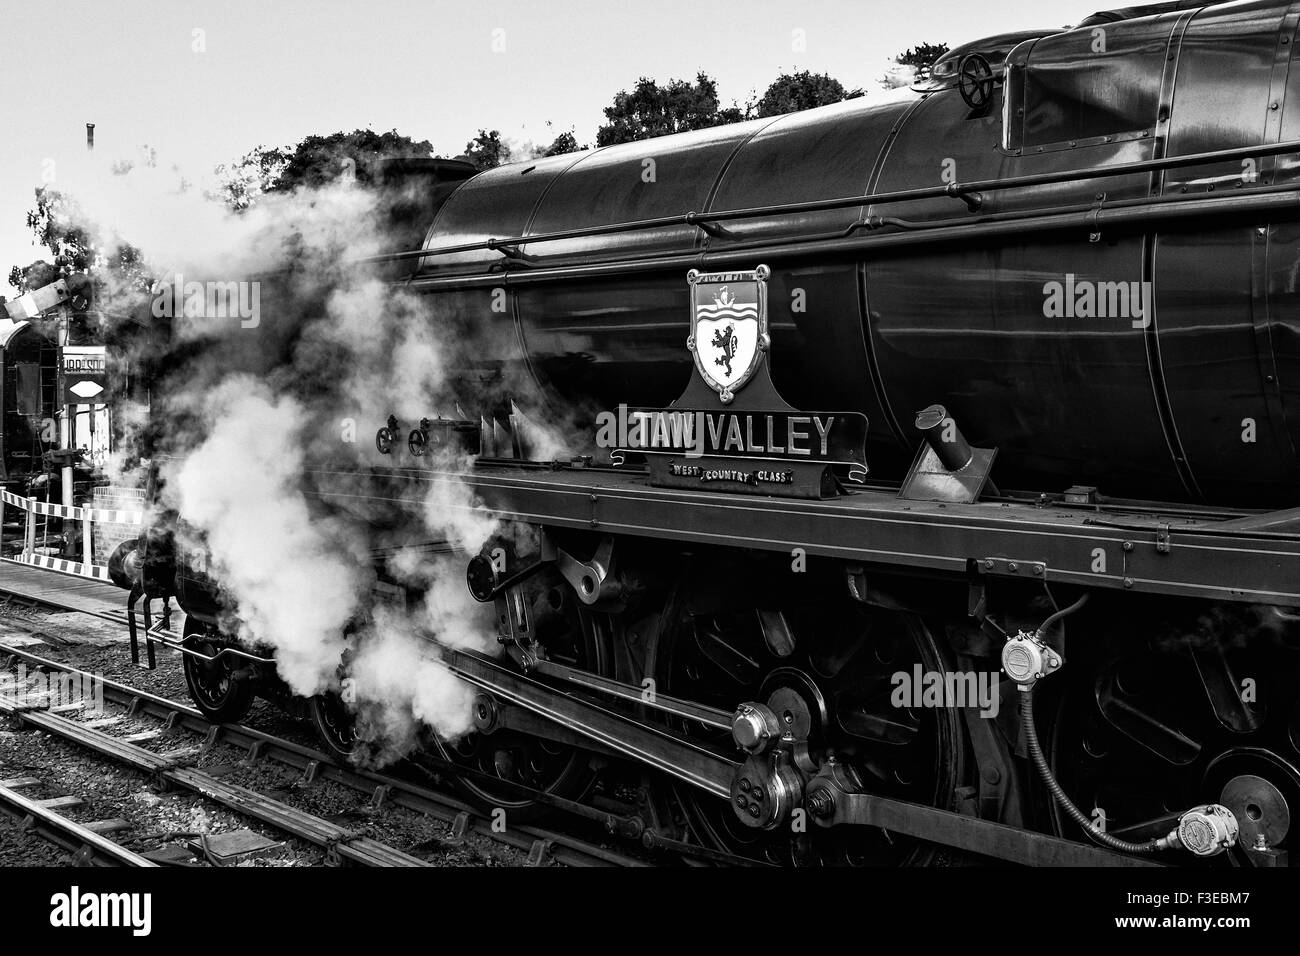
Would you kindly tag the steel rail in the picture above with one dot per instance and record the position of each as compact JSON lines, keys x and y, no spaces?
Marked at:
{"x":889,"y":197}
{"x":341,"y":843}
{"x":66,"y":833}
{"x":568,"y":850}
{"x":62,"y":605}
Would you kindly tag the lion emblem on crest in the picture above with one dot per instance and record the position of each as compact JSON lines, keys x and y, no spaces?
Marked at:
{"x":725,"y":339}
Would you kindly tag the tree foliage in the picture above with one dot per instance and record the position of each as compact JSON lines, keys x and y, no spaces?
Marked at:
{"x":487,"y":150}
{"x":313,"y":162}
{"x":652,"y":110}
{"x":242,"y":181}
{"x":921,"y":58}
{"x":791,"y":92}
{"x":566,"y":142}
{"x":76,"y":243}
{"x":319,"y":160}
{"x":29,"y":277}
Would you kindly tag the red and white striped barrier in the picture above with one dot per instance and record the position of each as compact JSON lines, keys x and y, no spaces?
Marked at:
{"x":86,"y":567}
{"x":82,"y":570}
{"x":71,"y":511}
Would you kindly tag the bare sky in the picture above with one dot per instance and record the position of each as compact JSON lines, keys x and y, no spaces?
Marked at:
{"x":273,"y":71}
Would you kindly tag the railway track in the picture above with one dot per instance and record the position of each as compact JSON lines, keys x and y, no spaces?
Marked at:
{"x":174,"y":769}
{"x":177,"y":769}
{"x":88,"y":844}
{"x":541,"y":843}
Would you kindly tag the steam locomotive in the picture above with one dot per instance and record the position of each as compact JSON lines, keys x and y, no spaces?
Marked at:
{"x":881,"y":400}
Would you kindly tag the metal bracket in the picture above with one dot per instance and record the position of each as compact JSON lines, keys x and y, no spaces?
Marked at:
{"x":210,"y":741}
{"x":593,"y":580}
{"x":1013,"y":568}
{"x":506,"y":249}
{"x":1093,"y":218}
{"x":997,"y":796}
{"x":138,"y":592}
{"x":713,"y":229}
{"x":459,"y":829}
{"x":537,"y":855}
{"x":515,"y":617}
{"x":1163,"y":544}
{"x":977,"y":600}
{"x":1080,"y":495}
{"x":973,"y":200}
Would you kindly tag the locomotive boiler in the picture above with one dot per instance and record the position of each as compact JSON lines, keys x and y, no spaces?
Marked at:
{"x":915,"y":386}
{"x":1051,"y":315}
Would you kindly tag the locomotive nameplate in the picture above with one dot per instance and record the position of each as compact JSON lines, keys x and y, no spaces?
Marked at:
{"x":719,"y":437}
{"x":787,"y":453}
{"x":827,"y":438}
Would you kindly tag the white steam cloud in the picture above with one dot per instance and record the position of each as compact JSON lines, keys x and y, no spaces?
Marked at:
{"x":247,"y":429}
{"x":294,"y":582}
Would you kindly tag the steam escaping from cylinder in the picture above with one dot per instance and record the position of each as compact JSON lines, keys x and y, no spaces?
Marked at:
{"x":241,"y":489}
{"x":400,"y":688}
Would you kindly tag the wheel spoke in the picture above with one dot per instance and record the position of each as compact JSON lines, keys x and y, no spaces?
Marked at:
{"x":893,"y":726}
{"x":833,"y":653}
{"x":733,"y":662}
{"x":1222,"y":690}
{"x":1142,"y":726}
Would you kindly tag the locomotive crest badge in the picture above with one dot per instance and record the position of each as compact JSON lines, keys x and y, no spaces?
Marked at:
{"x":728,"y":327}
{"x":754,"y":442}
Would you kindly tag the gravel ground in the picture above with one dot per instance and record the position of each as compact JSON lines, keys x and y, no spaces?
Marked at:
{"x":174,"y":819}
{"x":111,"y":791}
